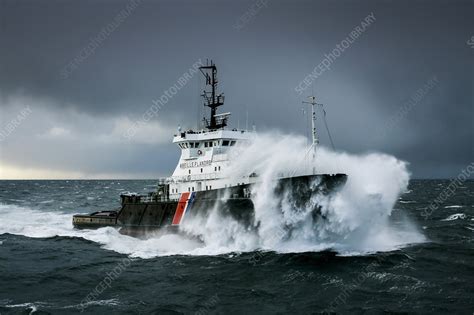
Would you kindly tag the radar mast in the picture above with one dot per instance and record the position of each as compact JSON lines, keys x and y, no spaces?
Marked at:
{"x":212,"y":99}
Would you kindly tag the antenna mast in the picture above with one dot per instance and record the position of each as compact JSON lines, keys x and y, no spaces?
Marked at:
{"x":314,"y":135}
{"x":211,"y":99}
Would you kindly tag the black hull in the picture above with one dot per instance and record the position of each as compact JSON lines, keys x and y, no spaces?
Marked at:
{"x":136,"y":217}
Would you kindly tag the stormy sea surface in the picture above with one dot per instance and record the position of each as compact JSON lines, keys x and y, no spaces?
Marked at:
{"x":47,"y":267}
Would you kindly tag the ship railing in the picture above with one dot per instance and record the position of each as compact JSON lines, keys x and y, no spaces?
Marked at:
{"x":196,"y":177}
{"x":182,"y":134}
{"x":148,"y":198}
{"x":154,"y":198}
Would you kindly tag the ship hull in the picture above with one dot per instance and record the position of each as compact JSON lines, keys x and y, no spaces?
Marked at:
{"x":136,"y":217}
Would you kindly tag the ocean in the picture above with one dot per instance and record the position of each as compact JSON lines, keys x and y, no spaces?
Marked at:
{"x":47,"y":267}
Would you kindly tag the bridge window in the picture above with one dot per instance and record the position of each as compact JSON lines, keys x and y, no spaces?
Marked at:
{"x":232,"y":143}
{"x":219,"y":168}
{"x":189,"y":172}
{"x":205,"y":144}
{"x":201,"y":170}
{"x":210,"y":144}
{"x":192,"y":188}
{"x":225,"y":143}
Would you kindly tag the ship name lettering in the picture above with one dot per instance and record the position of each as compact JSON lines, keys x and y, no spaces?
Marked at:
{"x":195,"y":164}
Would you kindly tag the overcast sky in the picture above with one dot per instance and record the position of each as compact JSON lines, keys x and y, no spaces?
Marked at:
{"x":263,"y":51}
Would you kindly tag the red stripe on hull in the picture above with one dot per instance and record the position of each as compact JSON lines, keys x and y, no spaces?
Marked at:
{"x":178,"y":215}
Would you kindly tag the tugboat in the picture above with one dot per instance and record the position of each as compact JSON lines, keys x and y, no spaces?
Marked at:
{"x":198,"y":182}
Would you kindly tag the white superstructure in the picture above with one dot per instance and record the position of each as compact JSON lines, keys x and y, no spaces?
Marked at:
{"x":204,"y":158}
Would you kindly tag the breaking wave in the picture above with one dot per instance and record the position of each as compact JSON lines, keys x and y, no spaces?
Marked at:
{"x":356,"y":217}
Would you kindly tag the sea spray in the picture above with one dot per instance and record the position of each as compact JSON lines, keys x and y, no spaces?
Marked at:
{"x":217,"y":231}
{"x":352,"y":220}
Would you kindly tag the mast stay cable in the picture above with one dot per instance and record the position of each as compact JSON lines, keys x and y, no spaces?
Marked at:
{"x":327,"y":128}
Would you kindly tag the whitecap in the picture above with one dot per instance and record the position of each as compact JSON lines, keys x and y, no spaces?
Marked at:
{"x":33,"y":307}
{"x":109,"y":302}
{"x":455,"y":216}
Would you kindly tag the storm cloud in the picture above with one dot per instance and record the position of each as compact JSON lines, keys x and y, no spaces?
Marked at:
{"x":89,"y":70}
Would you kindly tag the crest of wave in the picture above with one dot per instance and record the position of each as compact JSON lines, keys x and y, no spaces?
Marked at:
{"x":353,"y":219}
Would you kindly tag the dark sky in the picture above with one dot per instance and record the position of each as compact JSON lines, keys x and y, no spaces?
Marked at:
{"x":76,"y":125}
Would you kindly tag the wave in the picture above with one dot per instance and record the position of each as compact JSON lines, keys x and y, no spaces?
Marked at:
{"x":455,"y":216}
{"x":33,"y":223}
{"x":356,"y":217}
{"x":33,"y":307}
{"x":47,"y":201}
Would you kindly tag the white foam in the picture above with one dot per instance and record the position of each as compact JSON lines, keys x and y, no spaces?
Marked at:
{"x":455,"y":216}
{"x":32,"y":307}
{"x":356,"y":218}
{"x":47,"y":201}
{"x":109,"y":302}
{"x":454,"y":206}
